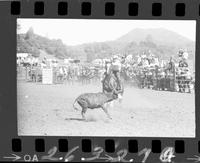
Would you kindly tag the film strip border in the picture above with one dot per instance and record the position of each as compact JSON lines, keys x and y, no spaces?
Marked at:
{"x":109,"y":145}
{"x":157,"y":9}
{"x":106,"y":8}
{"x":106,"y":149}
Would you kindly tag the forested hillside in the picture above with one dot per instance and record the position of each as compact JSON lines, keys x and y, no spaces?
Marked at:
{"x":161,"y":42}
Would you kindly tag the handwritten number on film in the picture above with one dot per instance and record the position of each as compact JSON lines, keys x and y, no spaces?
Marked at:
{"x":52,"y":152}
{"x":50,"y":155}
{"x":166,"y":155}
{"x":99,"y":150}
{"x":146,"y":154}
{"x":96,"y":154}
{"x":69,"y":156}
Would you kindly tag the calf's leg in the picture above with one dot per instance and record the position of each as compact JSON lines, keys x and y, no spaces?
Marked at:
{"x":120,"y":97}
{"x":106,"y":111}
{"x":84,"y":107}
{"x":83,"y":113}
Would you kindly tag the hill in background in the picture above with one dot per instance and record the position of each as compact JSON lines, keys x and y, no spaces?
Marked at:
{"x":160,"y":36}
{"x":161,"y":42}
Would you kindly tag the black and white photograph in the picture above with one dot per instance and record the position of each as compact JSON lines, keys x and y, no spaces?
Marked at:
{"x":97,"y":77}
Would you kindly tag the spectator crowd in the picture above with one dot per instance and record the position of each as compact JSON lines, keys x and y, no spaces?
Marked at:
{"x":145,"y":70}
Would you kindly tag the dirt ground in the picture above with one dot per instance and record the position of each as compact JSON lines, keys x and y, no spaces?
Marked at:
{"x":47,"y":110}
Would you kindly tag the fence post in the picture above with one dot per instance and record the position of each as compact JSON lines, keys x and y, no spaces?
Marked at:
{"x":26,"y":73}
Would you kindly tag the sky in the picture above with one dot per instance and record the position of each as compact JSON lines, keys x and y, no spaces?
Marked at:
{"x":78,"y":31}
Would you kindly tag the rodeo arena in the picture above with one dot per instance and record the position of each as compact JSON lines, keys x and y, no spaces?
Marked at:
{"x":155,"y":93}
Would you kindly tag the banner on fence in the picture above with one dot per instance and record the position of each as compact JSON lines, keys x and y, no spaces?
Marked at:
{"x":47,"y":76}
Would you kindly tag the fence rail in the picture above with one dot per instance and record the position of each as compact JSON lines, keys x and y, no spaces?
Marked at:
{"x":144,"y":79}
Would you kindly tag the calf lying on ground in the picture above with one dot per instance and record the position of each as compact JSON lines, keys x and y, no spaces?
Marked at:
{"x":94,"y":100}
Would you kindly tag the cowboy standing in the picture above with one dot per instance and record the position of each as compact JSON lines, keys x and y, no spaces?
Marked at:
{"x":116,"y":69}
{"x":183,"y":56}
{"x":105,"y":72}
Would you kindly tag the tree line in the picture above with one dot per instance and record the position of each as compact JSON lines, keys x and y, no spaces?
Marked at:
{"x":30,"y":42}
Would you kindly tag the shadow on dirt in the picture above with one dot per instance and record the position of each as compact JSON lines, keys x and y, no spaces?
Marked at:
{"x":80,"y":119}
{"x":75,"y":119}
